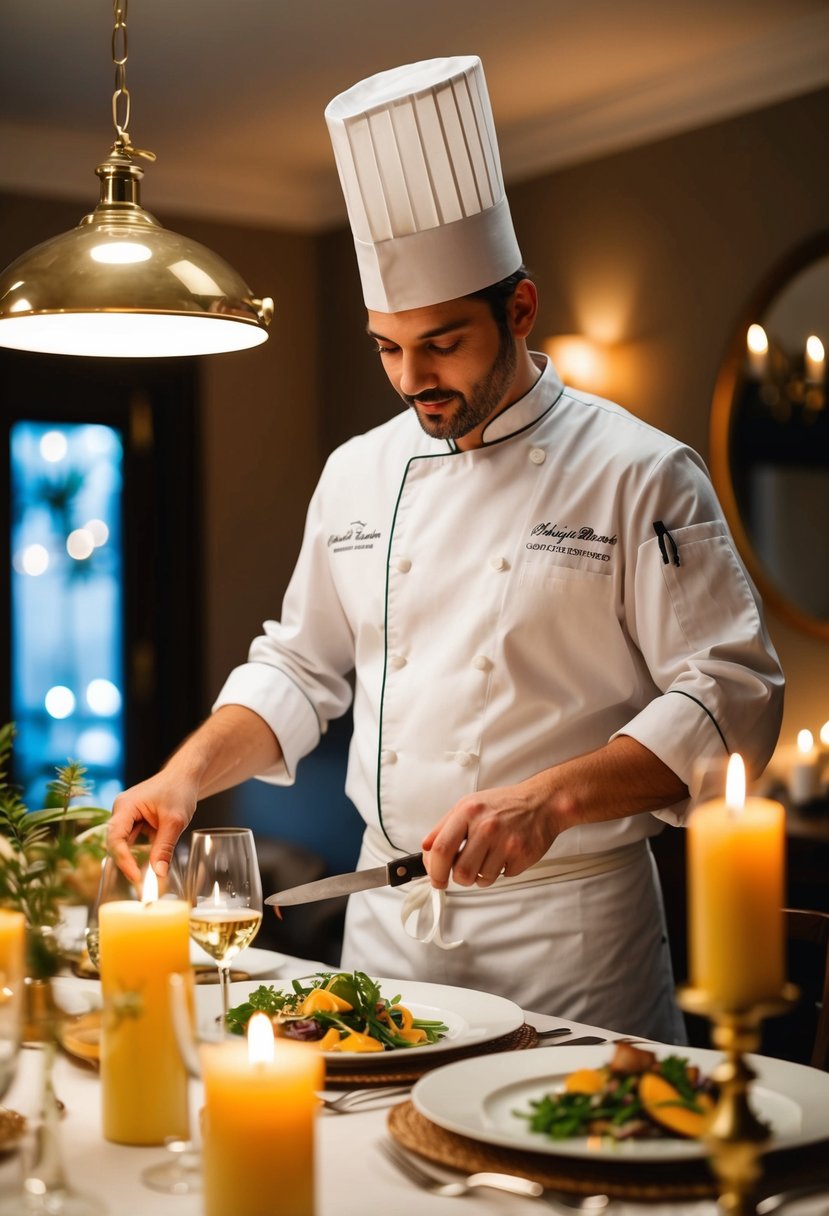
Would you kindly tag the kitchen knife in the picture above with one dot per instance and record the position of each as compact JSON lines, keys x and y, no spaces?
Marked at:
{"x":402,"y":869}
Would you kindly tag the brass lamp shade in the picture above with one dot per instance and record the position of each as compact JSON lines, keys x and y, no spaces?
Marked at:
{"x":120,"y":285}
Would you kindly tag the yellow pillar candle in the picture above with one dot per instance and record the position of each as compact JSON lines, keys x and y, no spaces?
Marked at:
{"x":736,"y":882}
{"x":12,"y":955}
{"x":12,"y":946}
{"x":143,"y":1079}
{"x":260,"y":1104}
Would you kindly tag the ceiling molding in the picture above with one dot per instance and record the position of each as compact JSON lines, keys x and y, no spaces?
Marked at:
{"x":39,"y":161}
{"x":769,"y":69}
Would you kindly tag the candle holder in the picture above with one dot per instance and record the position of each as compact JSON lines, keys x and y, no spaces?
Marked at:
{"x":736,"y":1138}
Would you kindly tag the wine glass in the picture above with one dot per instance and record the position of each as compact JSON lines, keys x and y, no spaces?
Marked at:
{"x":114,"y":884}
{"x":11,"y":1025}
{"x":224,"y":888}
{"x":180,"y":1173}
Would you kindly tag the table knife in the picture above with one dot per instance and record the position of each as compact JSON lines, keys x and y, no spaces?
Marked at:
{"x":397,"y":872}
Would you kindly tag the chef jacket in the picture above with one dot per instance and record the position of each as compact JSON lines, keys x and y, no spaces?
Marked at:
{"x":507,"y":608}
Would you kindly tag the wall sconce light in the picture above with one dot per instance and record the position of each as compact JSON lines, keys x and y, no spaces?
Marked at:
{"x":119,"y":284}
{"x":786,"y":380}
{"x":580,"y":361}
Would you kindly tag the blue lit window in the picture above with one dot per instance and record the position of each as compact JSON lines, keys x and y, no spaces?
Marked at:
{"x":67,"y":693}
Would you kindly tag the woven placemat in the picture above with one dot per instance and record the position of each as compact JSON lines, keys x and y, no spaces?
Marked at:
{"x":410,"y":1068}
{"x":652,"y":1180}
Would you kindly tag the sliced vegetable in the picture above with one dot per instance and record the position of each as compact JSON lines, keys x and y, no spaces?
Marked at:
{"x":666,"y":1105}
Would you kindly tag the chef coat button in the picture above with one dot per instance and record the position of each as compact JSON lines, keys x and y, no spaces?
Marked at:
{"x":397,"y":661}
{"x":538,"y":455}
{"x":482,"y":662}
{"x":404,"y":565}
{"x":463,"y":759}
{"x":388,"y":757}
{"x":498,"y":563}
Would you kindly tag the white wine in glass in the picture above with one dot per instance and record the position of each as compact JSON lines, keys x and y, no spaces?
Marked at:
{"x":225,"y":893}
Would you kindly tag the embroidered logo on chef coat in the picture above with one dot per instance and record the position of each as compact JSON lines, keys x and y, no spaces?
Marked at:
{"x":562,"y":538}
{"x":358,"y":535}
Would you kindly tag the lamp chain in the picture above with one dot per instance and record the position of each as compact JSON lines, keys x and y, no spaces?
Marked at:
{"x":121,"y":96}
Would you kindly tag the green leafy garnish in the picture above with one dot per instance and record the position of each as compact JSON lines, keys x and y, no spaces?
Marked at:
{"x":371,"y":1013}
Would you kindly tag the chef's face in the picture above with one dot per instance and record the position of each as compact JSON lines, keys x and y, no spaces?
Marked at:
{"x":452,"y":363}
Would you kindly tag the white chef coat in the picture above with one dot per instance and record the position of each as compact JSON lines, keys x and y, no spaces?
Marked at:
{"x":510,"y":607}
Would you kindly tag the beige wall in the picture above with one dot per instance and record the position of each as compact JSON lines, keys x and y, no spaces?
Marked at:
{"x":660,"y":249}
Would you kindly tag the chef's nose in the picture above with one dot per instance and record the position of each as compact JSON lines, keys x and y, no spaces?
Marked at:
{"x":416,"y":374}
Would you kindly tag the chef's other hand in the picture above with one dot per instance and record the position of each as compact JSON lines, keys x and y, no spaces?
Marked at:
{"x":489,"y":833}
{"x":160,"y":806}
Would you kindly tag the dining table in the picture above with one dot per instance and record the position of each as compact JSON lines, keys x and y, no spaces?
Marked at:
{"x":353,"y":1174}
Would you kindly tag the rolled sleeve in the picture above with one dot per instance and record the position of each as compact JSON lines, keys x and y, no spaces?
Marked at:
{"x":275,"y":697}
{"x":698,"y":622}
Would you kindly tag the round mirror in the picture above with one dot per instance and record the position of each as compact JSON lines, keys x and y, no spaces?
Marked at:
{"x":770,"y":438}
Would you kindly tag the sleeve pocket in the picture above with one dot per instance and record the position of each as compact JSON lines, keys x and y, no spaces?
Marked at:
{"x":709,"y":591}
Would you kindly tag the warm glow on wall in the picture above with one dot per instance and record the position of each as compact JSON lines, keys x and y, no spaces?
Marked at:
{"x":581,"y":362}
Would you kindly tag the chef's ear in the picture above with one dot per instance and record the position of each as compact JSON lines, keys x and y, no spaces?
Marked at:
{"x":522,"y":308}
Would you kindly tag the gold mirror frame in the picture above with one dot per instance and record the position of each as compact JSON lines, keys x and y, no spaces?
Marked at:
{"x":722,"y":410}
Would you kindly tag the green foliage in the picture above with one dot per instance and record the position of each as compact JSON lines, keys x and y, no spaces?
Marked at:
{"x":39,"y":849}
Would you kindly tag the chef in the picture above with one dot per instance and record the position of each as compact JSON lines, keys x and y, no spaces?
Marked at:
{"x":528,"y":595}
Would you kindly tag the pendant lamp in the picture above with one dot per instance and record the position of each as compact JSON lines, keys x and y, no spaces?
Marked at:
{"x":120,"y":285}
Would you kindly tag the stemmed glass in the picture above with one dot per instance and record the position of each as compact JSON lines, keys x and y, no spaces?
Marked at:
{"x":114,"y":884}
{"x":45,"y":1189}
{"x":11,"y":1027}
{"x":224,"y":888}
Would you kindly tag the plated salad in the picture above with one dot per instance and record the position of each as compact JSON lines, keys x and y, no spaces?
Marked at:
{"x":635,"y":1096}
{"x":338,"y":1011}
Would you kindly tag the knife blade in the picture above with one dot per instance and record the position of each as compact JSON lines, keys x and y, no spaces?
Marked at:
{"x":402,"y":869}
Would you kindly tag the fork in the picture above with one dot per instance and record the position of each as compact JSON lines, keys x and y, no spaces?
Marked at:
{"x":436,"y":1185}
{"x":353,"y":1099}
{"x":428,"y":1181}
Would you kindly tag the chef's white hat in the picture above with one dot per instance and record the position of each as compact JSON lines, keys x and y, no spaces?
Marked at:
{"x":418,"y":162}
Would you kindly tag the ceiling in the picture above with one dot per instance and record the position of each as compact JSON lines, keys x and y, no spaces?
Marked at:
{"x":230,"y":93}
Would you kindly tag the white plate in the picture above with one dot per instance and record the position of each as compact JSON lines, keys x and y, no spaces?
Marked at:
{"x":77,"y":994}
{"x":255,"y":962}
{"x":472,"y":1017}
{"x":478,"y":1098}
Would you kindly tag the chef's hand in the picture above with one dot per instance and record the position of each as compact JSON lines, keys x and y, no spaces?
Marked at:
{"x":160,"y":807}
{"x":489,"y":833}
{"x":506,"y":830}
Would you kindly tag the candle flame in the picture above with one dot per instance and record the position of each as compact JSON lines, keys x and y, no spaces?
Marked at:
{"x":149,"y":893}
{"x":756,"y":340}
{"x":735,"y":783}
{"x":824,"y":734}
{"x":217,"y":899}
{"x":260,"y":1039}
{"x":815,"y":349}
{"x":805,"y":741}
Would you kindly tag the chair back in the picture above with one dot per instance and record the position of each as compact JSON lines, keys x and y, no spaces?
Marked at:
{"x":804,"y":1035}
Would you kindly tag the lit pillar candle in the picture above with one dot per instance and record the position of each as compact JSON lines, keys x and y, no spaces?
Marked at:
{"x":12,"y":953}
{"x":757,"y":350}
{"x":804,"y":774}
{"x":143,"y":1078}
{"x":815,"y":360}
{"x":260,"y":1103}
{"x":736,"y":854}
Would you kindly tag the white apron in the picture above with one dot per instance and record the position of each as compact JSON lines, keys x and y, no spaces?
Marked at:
{"x":593,"y":948}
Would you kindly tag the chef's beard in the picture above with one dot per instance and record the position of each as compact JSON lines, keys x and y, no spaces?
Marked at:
{"x":471,"y":410}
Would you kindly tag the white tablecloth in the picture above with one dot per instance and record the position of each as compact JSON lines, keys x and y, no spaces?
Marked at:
{"x":353,"y":1177}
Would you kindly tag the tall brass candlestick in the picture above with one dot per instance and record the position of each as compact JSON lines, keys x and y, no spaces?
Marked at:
{"x":736,"y":882}
{"x":736,"y":1138}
